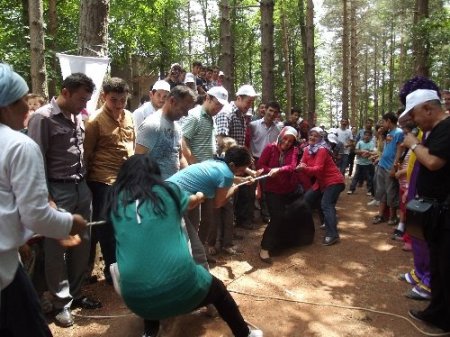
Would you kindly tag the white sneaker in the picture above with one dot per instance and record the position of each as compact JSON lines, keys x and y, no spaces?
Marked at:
{"x":373,"y":203}
{"x":255,"y":333}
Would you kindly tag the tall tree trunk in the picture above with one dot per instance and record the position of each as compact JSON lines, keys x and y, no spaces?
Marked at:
{"x":383,"y":74}
{"x":38,"y":70}
{"x":310,"y":66}
{"x":189,"y":23}
{"x":52,"y":29}
{"x":366,"y":88}
{"x":209,"y":38}
{"x":306,"y":22}
{"x":345,"y":61}
{"x":353,"y":65}
{"x":93,"y":32}
{"x":226,"y":58}
{"x":420,"y":40}
{"x":267,"y":50}
{"x":375,"y":80}
{"x":287,"y":68}
{"x":392,"y":73}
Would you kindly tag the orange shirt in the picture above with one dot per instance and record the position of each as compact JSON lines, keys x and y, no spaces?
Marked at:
{"x":108,"y":143}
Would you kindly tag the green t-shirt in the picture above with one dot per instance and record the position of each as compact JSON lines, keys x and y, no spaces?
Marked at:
{"x":158,"y":276}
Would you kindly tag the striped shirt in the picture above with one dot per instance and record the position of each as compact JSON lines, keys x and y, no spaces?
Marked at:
{"x":199,"y":130}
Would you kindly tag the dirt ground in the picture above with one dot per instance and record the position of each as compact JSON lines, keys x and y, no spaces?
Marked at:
{"x":349,"y":289}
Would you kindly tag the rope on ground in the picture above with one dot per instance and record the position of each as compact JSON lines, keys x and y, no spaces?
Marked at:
{"x":102,"y":316}
{"x":341,"y":306}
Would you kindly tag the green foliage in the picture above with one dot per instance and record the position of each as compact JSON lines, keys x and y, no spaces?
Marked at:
{"x":14,"y":37}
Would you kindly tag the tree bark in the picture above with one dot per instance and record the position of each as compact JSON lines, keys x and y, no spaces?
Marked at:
{"x":345,"y":61}
{"x":310,"y":66}
{"x":226,"y":56}
{"x":52,"y":29}
{"x":354,"y":93}
{"x":93,"y":32}
{"x":267,"y":50}
{"x":37,"y":46}
{"x":420,"y":40}
{"x":287,"y":68}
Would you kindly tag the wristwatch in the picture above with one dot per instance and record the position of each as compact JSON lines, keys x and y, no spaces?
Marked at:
{"x":413,"y":147}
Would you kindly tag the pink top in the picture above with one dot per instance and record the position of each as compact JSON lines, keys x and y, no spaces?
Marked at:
{"x":322,"y":167}
{"x":285,"y":181}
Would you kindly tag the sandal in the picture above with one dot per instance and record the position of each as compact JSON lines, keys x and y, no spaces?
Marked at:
{"x":378,"y":219}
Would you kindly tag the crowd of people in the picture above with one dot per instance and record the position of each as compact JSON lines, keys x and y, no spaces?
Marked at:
{"x":172,"y":180}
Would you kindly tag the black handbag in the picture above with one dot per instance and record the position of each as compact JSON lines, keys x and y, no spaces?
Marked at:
{"x":420,"y":217}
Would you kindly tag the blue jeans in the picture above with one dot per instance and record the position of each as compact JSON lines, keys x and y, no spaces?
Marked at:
{"x":328,"y":205}
{"x":363,"y":172}
{"x":343,"y":163}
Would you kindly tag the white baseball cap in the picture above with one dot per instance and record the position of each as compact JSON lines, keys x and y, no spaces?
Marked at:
{"x":189,"y":78}
{"x":161,"y":85}
{"x":221,"y":73}
{"x":332,"y":138}
{"x":246,"y":90}
{"x":220,"y":93}
{"x":417,"y":97}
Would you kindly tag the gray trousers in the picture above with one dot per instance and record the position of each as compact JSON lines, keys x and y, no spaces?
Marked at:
{"x":191,"y":218}
{"x":65,"y":267}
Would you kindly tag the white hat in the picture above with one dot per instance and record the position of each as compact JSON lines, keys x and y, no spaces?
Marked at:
{"x":417,"y":97}
{"x":220,"y":93}
{"x":247,"y":90}
{"x":332,"y":138}
{"x":332,"y":130}
{"x":161,"y":85}
{"x":221,"y":73}
{"x":189,"y":78}
{"x":318,"y":130}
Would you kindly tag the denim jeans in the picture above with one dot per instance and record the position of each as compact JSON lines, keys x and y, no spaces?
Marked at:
{"x":363,"y":172}
{"x":328,"y":205}
{"x":343,"y":163}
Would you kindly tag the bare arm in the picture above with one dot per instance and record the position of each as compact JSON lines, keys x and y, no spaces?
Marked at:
{"x":140,"y":149}
{"x":223,"y":194}
{"x":431,"y":162}
{"x":187,"y":153}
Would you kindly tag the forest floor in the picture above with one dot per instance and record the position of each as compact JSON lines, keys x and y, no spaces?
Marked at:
{"x":348,"y":289}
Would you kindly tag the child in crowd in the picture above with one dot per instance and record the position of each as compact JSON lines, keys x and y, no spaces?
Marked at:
{"x":34,"y":102}
{"x":364,"y":167}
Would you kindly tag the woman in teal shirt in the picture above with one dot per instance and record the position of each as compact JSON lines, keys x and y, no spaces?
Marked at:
{"x":158,"y":276}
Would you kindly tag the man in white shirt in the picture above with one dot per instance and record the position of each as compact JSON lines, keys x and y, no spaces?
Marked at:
{"x":263,"y":132}
{"x":158,"y":96}
{"x":345,"y":136}
{"x":24,"y":210}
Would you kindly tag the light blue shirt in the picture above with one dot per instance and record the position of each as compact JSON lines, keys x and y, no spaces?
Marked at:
{"x":204,"y":177}
{"x":162,"y":138}
{"x":362,"y":145}
{"x":393,"y":138}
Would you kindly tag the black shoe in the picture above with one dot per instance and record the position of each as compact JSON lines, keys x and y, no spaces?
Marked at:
{"x":249,"y":226}
{"x":86,"y":303}
{"x":64,"y":318}
{"x":417,"y":315}
{"x":267,"y":260}
{"x":329,"y":240}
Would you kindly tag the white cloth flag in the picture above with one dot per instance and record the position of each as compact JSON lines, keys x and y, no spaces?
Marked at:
{"x":94,"y":67}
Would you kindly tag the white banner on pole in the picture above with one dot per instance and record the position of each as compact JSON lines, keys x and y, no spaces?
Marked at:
{"x":94,"y":67}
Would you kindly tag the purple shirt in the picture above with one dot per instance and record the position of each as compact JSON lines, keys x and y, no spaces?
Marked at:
{"x":60,"y":140}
